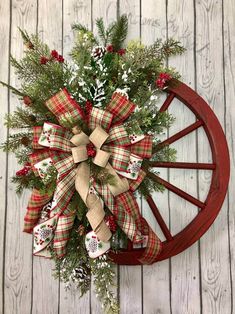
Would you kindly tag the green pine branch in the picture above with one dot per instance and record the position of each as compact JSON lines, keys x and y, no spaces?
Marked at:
{"x":13,"y":89}
{"x":80,"y":27}
{"x":119,"y":31}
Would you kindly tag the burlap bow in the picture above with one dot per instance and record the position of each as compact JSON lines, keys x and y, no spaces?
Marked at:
{"x":114,"y":150}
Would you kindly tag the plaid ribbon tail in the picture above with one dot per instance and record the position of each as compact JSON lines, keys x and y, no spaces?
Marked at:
{"x":128,"y":202}
{"x":154,"y":245}
{"x":123,"y":218}
{"x":62,"y":232}
{"x":134,"y":184}
{"x":36,"y":202}
{"x":55,"y":230}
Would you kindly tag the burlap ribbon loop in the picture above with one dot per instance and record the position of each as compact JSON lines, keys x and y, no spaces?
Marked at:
{"x":79,"y":154}
{"x":80,"y":139}
{"x":95,"y":214}
{"x":101,"y":158}
{"x":98,"y":136}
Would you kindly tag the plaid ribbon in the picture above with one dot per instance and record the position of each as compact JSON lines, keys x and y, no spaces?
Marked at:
{"x":134,"y":184}
{"x":62,"y":232}
{"x":37,"y":131}
{"x":99,"y":117}
{"x":124,"y":206}
{"x":118,"y":136}
{"x":154,"y":245}
{"x":119,"y":158}
{"x":122,"y":216}
{"x":60,"y":139}
{"x":120,"y":107}
{"x":36,"y":202}
{"x":143,"y":148}
{"x":128,"y":201}
{"x":65,"y":108}
{"x":38,"y":156}
{"x":63,"y":162}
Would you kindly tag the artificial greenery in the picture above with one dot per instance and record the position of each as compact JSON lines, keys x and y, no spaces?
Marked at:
{"x":101,"y":65}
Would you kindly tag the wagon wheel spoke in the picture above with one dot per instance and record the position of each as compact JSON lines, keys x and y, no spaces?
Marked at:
{"x":182,"y":165}
{"x":179,"y":135}
{"x":176,"y":190}
{"x":167,"y":102}
{"x":159,"y":218}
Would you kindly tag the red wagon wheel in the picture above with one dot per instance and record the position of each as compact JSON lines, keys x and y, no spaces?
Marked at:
{"x":220,"y":168}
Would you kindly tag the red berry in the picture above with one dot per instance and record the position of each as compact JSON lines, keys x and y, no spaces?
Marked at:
{"x":60,"y":59}
{"x":162,"y":79}
{"x":29,"y":45}
{"x":44,"y":60}
{"x":110,"y":48}
{"x":121,"y":51}
{"x":91,"y":152}
{"x":24,"y":171}
{"x":54,"y":54}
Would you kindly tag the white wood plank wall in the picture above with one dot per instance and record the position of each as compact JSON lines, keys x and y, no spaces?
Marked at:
{"x":199,"y":280}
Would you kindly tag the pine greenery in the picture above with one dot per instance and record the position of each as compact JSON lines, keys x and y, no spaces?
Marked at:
{"x":101,"y":66}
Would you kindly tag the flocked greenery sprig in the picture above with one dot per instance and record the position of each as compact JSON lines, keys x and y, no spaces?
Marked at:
{"x":100,"y":66}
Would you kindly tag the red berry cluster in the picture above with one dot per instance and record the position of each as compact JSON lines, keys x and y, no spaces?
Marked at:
{"x":112,"y":223}
{"x":54,"y":56}
{"x":23,"y":172}
{"x":91,"y":152}
{"x":162,"y":79}
{"x":110,"y":49}
{"x":121,"y":51}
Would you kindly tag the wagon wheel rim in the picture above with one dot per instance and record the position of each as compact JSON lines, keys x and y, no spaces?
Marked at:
{"x":220,"y":167}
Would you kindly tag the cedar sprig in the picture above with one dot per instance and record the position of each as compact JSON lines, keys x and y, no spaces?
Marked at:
{"x":21,"y":118}
{"x":103,"y":273}
{"x":16,"y":141}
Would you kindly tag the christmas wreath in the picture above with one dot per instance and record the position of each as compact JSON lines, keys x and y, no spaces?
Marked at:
{"x":85,"y":134}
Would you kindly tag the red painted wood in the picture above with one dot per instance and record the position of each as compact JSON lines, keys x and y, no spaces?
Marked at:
{"x":182,"y":165}
{"x":219,"y":182}
{"x":159,"y":218}
{"x":180,"y":134}
{"x":167,"y":102}
{"x":177,"y":191}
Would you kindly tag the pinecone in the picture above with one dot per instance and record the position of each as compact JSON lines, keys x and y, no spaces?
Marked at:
{"x":81,"y":273}
{"x":32,"y":118}
{"x":98,"y":52}
{"x":25,"y":141}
